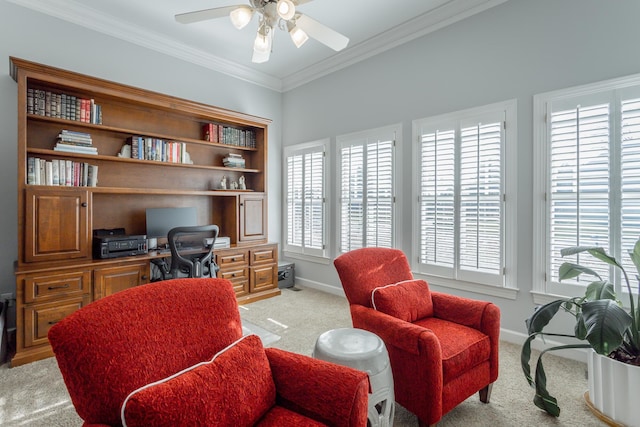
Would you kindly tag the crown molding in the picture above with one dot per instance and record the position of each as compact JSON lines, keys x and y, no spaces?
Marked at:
{"x":440,"y":17}
{"x":79,"y":14}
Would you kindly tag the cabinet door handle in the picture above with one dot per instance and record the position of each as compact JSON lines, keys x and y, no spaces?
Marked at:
{"x":144,"y":277}
{"x":83,"y":204}
{"x":53,"y":322}
{"x":65,"y":286}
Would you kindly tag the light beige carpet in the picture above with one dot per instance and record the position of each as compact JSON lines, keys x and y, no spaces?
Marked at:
{"x":35,"y":395}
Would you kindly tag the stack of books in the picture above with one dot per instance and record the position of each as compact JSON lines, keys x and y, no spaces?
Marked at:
{"x":234,"y":161}
{"x":75,"y":142}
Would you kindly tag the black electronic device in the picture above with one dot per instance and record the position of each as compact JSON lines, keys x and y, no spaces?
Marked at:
{"x":119,"y":246}
{"x":161,"y":220}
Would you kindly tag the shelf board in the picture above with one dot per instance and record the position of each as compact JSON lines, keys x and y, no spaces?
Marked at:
{"x":131,"y":132}
{"x":148,"y":191}
{"x":43,"y":151}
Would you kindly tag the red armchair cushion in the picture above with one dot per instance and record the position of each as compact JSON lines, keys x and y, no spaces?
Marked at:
{"x":408,"y":300}
{"x":234,"y":388}
{"x":462,"y":347}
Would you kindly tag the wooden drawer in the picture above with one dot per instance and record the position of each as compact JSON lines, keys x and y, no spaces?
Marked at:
{"x":264,"y":278}
{"x":232,"y":258}
{"x":264,"y":255}
{"x":39,"y":318}
{"x":51,"y":286}
{"x":238,"y":276}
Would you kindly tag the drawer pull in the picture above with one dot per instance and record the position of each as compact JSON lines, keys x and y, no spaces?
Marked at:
{"x":65,"y":286}
{"x":53,"y":322}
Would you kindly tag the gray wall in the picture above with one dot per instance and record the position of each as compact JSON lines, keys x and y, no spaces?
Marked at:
{"x":40,"y":38}
{"x":512,"y":51}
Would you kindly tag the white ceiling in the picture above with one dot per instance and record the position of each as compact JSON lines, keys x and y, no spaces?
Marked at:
{"x":372,"y":26}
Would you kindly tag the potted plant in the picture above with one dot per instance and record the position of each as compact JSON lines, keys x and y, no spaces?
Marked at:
{"x":601,"y":323}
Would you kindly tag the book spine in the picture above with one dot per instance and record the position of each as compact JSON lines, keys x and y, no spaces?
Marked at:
{"x":56,"y":172}
{"x":30,"y":101}
{"x":31,"y":171}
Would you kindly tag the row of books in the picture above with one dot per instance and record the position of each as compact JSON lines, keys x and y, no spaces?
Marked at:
{"x":63,"y":106}
{"x":75,"y":142}
{"x":147,"y":148}
{"x":228,"y":135}
{"x":61,"y":172}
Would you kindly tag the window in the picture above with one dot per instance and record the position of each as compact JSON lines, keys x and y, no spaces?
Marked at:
{"x":587,"y":176}
{"x":305,"y":197}
{"x":465,"y":212}
{"x":366,"y":188}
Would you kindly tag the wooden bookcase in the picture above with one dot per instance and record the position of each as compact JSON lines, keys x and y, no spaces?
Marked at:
{"x":55,"y":271}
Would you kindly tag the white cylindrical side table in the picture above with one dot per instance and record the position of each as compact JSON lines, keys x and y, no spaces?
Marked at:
{"x":366,"y":352}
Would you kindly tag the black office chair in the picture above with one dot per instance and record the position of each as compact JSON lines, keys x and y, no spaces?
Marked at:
{"x":194,"y":264}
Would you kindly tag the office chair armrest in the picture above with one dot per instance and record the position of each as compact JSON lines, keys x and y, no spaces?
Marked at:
{"x":333,"y":394}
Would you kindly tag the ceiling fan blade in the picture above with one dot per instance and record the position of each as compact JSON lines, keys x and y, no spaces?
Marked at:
{"x":322,"y":33}
{"x":299,"y":2}
{"x":206,"y":14}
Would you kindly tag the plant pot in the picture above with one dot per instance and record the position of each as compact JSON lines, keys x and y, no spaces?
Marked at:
{"x":614,"y":388}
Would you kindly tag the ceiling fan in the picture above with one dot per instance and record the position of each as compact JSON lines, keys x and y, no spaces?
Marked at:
{"x":272,"y":14}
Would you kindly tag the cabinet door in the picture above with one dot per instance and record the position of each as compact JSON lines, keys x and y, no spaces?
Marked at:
{"x":253,"y":217}
{"x":56,"y":224}
{"x":39,"y":318}
{"x":110,"y":280}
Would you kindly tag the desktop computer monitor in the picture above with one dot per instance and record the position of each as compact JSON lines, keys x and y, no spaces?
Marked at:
{"x":161,"y":220}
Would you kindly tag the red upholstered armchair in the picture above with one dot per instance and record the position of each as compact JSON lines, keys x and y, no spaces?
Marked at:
{"x":172,"y":354}
{"x":442,"y":348}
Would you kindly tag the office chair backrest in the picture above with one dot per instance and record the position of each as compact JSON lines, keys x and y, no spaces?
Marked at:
{"x":192,"y":264}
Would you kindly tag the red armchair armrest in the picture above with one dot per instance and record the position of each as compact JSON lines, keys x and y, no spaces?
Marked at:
{"x":329,"y":393}
{"x":397,"y":333}
{"x":481,"y":315}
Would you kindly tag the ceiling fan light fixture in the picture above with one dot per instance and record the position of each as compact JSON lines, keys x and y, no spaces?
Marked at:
{"x":286,"y":9}
{"x":241,"y":16}
{"x":263,"y":39}
{"x":298,"y":36}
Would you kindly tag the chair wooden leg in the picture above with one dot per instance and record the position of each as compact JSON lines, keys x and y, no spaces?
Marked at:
{"x":485,"y":393}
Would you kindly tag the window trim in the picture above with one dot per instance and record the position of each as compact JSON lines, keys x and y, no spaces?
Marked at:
{"x":541,"y":139}
{"x":508,"y":289}
{"x":342,"y":140}
{"x":295,"y":251}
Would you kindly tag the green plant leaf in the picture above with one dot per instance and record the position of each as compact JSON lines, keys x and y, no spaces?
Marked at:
{"x":606,"y":324}
{"x":542,"y":316}
{"x":569,"y":270}
{"x":543,"y":399}
{"x":525,"y":356}
{"x":635,"y":256}
{"x":580,"y":329}
{"x":600,"y":289}
{"x":600,"y":254}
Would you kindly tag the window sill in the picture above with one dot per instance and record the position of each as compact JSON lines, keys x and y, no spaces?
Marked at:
{"x":501,"y":292}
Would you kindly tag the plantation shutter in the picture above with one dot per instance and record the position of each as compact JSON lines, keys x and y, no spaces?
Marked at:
{"x":481,"y":197}
{"x":367,"y":190}
{"x":437,"y":197}
{"x":461,"y":197}
{"x":630,"y":182}
{"x":306,"y":201}
{"x":579,"y":199}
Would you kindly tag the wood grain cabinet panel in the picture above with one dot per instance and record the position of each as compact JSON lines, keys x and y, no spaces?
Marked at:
{"x":57,"y":225}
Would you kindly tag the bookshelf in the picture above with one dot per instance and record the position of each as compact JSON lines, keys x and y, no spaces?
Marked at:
{"x":55,"y":271}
